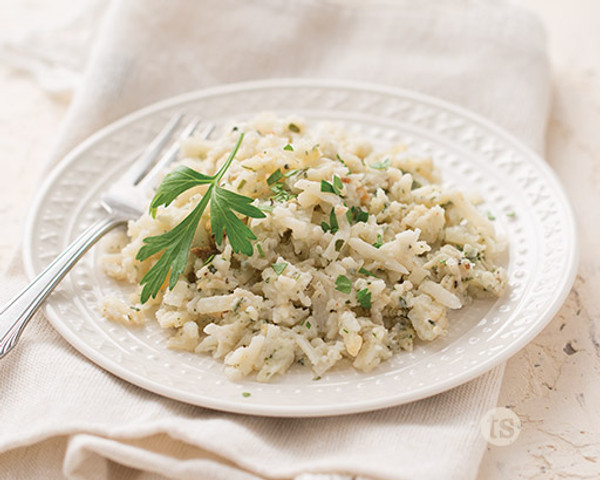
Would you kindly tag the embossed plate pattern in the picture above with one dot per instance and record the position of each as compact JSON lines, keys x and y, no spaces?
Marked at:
{"x":518,"y":188}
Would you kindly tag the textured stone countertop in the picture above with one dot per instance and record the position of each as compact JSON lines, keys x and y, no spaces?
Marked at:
{"x":554,"y":383}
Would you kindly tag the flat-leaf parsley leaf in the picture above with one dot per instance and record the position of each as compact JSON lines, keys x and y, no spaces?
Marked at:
{"x":174,"y":245}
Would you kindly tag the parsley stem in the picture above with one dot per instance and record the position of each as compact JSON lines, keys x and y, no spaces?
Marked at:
{"x":227,"y":163}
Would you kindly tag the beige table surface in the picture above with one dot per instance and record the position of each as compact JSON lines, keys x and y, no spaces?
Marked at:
{"x":554,"y":383}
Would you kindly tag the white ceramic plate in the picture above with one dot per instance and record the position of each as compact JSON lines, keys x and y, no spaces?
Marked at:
{"x":518,"y":187}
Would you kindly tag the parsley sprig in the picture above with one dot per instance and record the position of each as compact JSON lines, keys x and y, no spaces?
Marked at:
{"x":175,"y":244}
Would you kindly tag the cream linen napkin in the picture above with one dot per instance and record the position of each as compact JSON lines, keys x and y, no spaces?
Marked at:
{"x":61,"y":416}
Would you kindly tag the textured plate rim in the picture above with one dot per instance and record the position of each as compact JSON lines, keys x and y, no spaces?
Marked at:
{"x":489,"y":363}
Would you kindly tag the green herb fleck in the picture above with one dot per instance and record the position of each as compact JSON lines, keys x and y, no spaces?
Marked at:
{"x":274,"y":177}
{"x":279,"y":267}
{"x":296,"y":171}
{"x":364,"y":298}
{"x":292,"y":127}
{"x":246,"y":394}
{"x":343,"y":284}
{"x":415,"y":185}
{"x":241,"y":184}
{"x":209,"y":259}
{"x":327,"y":187}
{"x":289,"y":148}
{"x":491,"y":216}
{"x":307,"y":323}
{"x":366,"y":272}
{"x":333,"y":225}
{"x":261,"y":252}
{"x":336,"y":187}
{"x":281,"y":193}
{"x":379,"y":241}
{"x":511,"y":214}
{"x":174,"y":245}
{"x":337,"y":155}
{"x":339,"y":243}
{"x":383,"y":165}
{"x":356,"y":214}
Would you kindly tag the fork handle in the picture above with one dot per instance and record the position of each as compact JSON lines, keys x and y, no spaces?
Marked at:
{"x":15,"y":316}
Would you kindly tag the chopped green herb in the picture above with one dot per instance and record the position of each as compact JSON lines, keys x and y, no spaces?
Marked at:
{"x":333,"y":225}
{"x":511,"y":214}
{"x":274,"y":177}
{"x":261,"y":252}
{"x":296,"y":171}
{"x":364,"y":298}
{"x":307,"y":324}
{"x":289,"y":148}
{"x":339,"y":243}
{"x":490,"y":216}
{"x":366,"y":272}
{"x":343,"y":284}
{"x":379,"y":241}
{"x":279,"y":267}
{"x":337,"y":155}
{"x":246,"y":394}
{"x":317,"y":378}
{"x":174,"y":245}
{"x":241,"y":184}
{"x":336,"y":187}
{"x":134,"y":308}
{"x":383,"y":165}
{"x":443,"y":261}
{"x":356,"y":214}
{"x":415,"y":185}
{"x":281,"y":193}
{"x":292,"y":127}
{"x":327,"y":187}
{"x":209,"y":259}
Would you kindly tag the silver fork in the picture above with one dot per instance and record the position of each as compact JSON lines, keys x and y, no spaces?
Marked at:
{"x":123,"y":201}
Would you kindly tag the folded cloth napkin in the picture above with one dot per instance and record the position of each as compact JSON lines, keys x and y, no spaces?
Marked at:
{"x":62,"y":416}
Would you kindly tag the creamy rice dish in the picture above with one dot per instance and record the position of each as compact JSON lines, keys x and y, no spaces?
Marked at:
{"x":361,"y":253}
